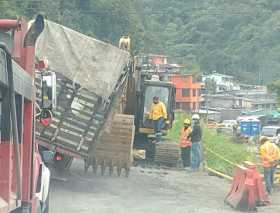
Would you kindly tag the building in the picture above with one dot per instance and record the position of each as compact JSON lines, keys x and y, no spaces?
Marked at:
{"x":151,"y":63}
{"x":260,"y":98}
{"x":227,"y":101}
{"x":188,"y":92}
{"x":223,"y":82}
{"x":151,"y":59}
{"x":267,"y":104}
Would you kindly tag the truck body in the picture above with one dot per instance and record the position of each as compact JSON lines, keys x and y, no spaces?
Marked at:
{"x":24,"y":179}
{"x":91,"y":78}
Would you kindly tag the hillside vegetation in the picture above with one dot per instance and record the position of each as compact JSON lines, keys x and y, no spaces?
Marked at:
{"x":235,"y":37}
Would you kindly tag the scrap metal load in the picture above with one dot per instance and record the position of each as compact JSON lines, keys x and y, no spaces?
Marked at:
{"x":91,"y":82}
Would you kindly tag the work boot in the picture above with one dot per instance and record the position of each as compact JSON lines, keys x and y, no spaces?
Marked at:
{"x":155,"y":142}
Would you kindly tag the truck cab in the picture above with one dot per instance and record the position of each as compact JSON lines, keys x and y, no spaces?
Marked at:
{"x":24,"y":178}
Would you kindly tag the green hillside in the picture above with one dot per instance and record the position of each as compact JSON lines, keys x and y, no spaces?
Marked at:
{"x":235,"y":37}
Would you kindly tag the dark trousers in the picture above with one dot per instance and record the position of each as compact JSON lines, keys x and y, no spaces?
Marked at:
{"x":186,"y":156}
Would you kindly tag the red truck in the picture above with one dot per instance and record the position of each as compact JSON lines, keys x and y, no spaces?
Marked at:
{"x":24,"y":179}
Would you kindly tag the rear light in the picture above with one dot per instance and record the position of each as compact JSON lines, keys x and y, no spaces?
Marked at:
{"x":58,"y":158}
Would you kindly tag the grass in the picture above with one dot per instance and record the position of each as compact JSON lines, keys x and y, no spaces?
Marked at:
{"x":220,"y":144}
{"x":174,"y":133}
{"x":225,"y":147}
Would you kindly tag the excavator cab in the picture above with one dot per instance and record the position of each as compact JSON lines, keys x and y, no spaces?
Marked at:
{"x":166,"y":93}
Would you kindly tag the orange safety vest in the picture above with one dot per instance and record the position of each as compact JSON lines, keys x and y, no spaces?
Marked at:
{"x":270,"y":154}
{"x":184,"y":140}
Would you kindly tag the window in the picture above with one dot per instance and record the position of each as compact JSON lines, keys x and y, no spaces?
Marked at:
{"x":185,"y":92}
{"x":151,"y":91}
{"x":194,"y":92}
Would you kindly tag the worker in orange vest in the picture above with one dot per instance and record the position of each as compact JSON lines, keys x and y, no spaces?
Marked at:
{"x":185,"y":143}
{"x":270,"y":155}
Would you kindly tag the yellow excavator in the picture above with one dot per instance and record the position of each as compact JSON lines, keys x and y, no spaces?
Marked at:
{"x":144,"y":82}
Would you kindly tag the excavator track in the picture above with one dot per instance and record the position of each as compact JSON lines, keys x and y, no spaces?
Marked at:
{"x":167,"y":154}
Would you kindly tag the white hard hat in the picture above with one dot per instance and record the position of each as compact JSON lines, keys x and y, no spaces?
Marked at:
{"x":195,"y":117}
{"x":155,"y":78}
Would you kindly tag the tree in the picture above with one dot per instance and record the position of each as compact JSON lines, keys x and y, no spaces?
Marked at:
{"x":210,"y":86}
{"x":275,"y":87}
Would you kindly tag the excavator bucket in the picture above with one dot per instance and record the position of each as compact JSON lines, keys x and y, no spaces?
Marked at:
{"x":114,"y":148}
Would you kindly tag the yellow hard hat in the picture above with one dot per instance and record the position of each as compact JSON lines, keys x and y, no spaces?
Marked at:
{"x":187,"y":121}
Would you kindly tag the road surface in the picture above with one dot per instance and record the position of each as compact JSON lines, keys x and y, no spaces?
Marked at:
{"x":145,"y":190}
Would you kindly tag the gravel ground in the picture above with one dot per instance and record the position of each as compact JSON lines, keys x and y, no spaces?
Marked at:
{"x":145,"y":190}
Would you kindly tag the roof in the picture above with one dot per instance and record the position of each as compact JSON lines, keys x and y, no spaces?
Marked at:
{"x":218,"y":74}
{"x":265,"y":101}
{"x":228,"y":97}
{"x":272,"y":127}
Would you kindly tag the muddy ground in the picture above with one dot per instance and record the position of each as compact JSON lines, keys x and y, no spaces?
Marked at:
{"x":145,"y":190}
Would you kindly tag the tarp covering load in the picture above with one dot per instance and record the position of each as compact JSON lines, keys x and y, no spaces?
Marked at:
{"x":90,"y":88}
{"x":91,"y":63}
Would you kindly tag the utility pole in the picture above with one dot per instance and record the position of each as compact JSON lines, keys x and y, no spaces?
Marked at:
{"x":206,"y":100}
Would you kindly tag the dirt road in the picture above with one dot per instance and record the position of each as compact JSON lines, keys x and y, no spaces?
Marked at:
{"x":146,"y":190}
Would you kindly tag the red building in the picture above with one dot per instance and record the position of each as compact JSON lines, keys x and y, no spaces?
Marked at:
{"x":188,"y":92}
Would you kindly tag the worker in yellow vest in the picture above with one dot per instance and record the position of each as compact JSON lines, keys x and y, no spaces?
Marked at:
{"x":185,"y":143}
{"x":270,"y":155}
{"x":158,"y":114}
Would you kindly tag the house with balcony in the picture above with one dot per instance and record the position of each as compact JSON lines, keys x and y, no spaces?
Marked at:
{"x":224,"y":83}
